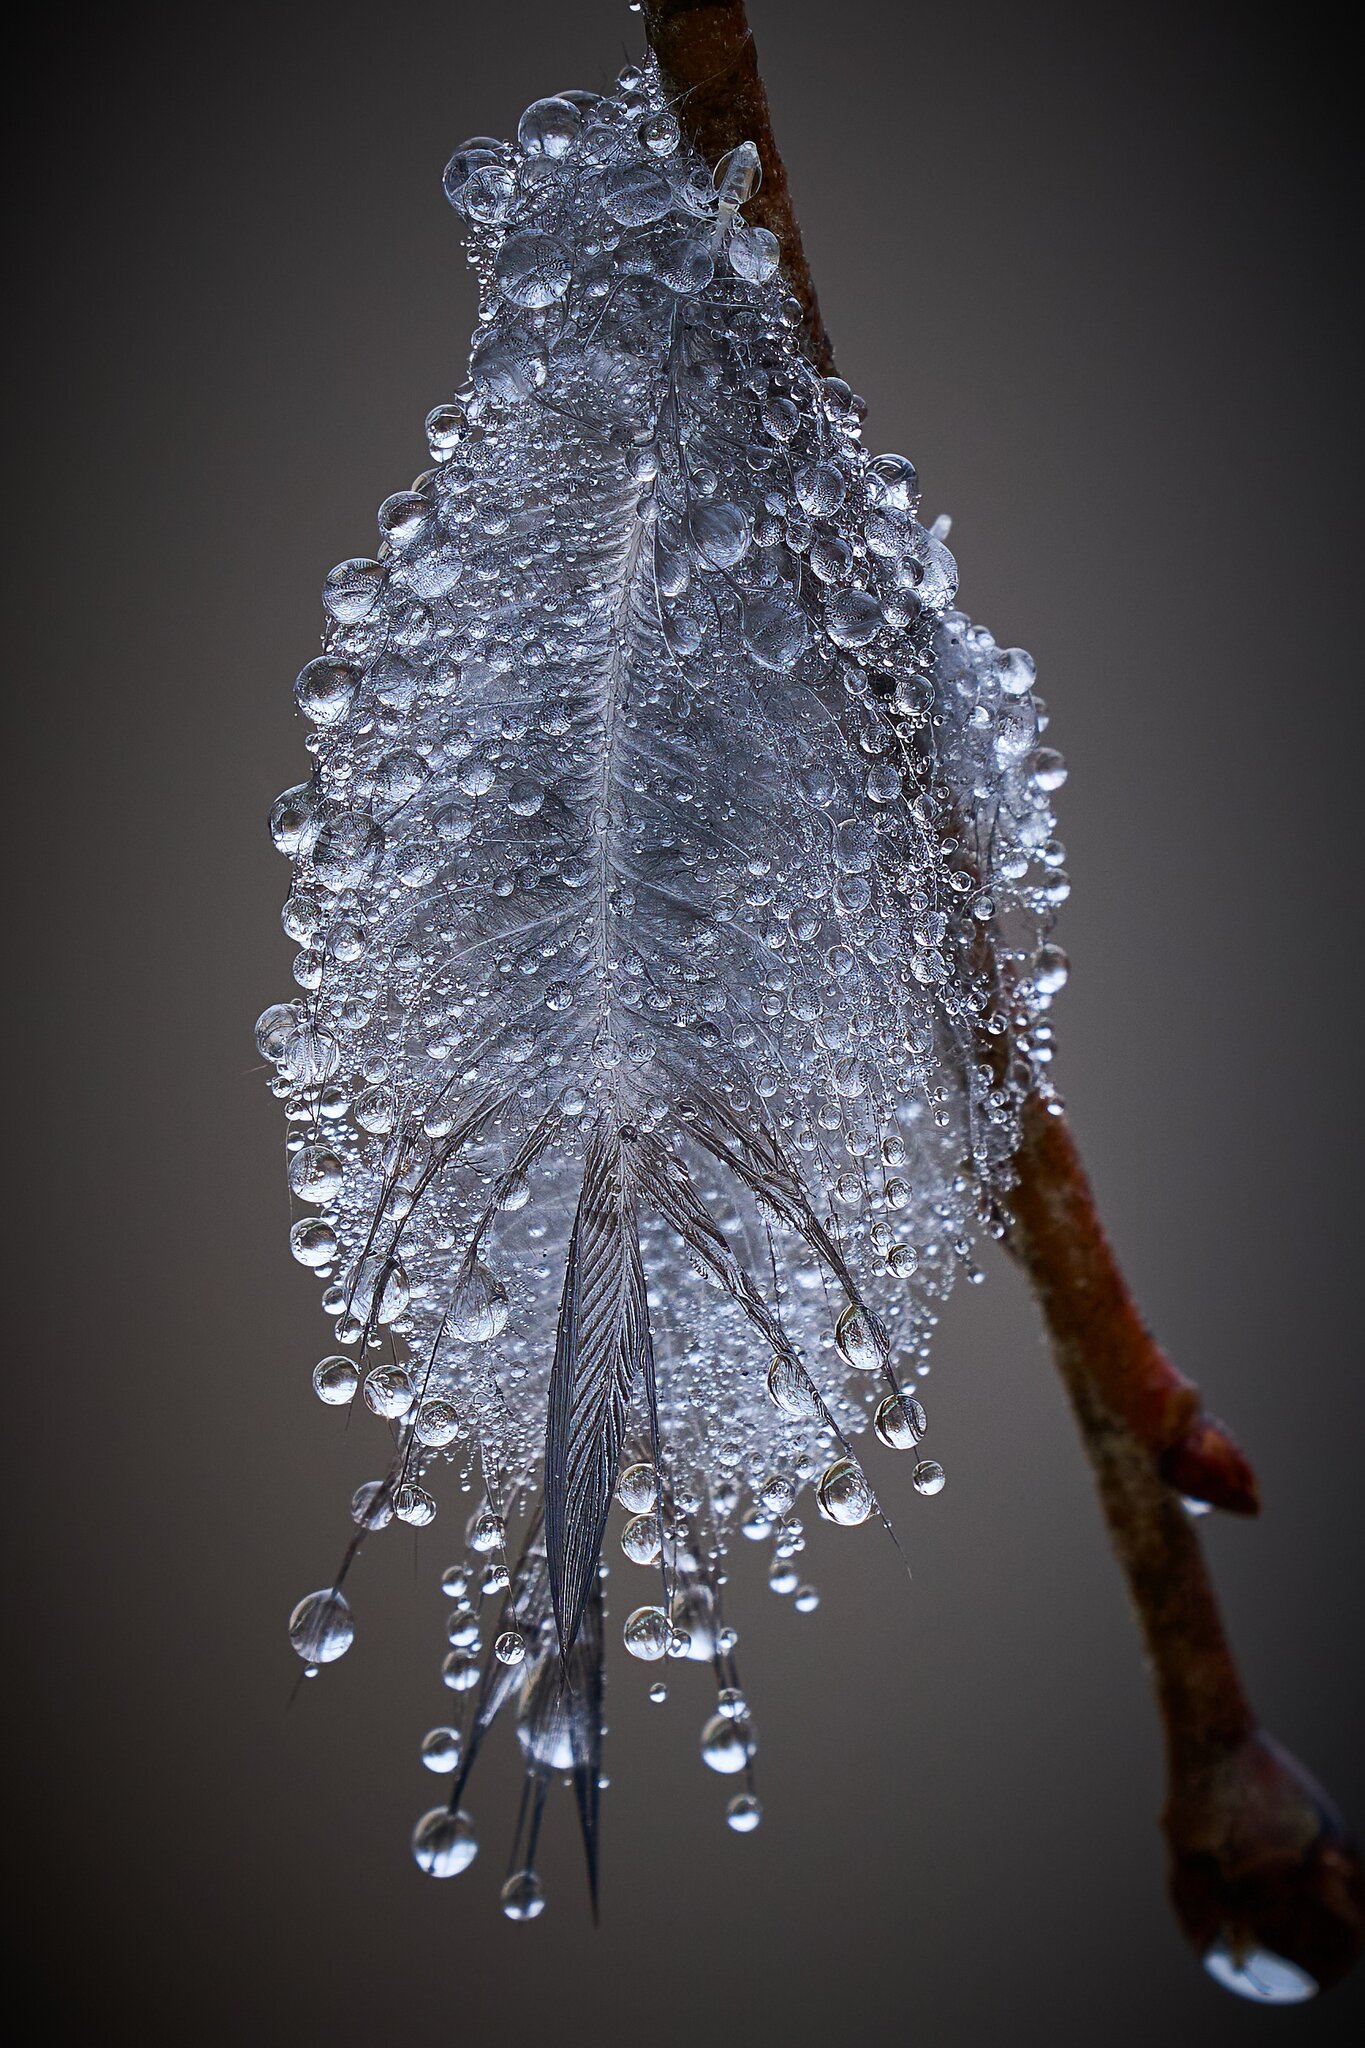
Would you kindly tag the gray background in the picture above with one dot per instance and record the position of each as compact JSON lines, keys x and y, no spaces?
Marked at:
{"x":1089,"y":266}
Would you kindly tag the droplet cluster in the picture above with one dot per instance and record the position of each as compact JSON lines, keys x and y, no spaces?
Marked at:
{"x":656,"y":785}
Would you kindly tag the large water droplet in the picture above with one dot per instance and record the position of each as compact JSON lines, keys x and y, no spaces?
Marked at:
{"x":637,"y":1489}
{"x":441,"y":1749}
{"x":478,"y":1307}
{"x":321,"y":1628}
{"x":843,"y":1495}
{"x":523,"y":1896}
{"x":744,"y":1813}
{"x":1259,"y":1974}
{"x":443,"y":1843}
{"x":646,"y":1634}
{"x":727,"y":1744}
{"x":855,"y":1334}
{"x":900,"y":1422}
{"x":335,"y":1381}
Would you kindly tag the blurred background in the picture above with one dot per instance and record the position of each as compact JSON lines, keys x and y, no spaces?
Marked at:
{"x":1090,"y":268}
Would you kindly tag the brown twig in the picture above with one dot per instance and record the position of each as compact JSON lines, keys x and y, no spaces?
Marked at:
{"x":1258,"y":1858}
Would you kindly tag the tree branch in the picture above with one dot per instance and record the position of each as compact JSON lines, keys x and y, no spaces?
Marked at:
{"x":1258,"y":1859}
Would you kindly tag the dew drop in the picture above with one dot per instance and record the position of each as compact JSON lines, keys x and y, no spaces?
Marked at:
{"x":646,"y":1634}
{"x":335,"y":1380}
{"x":443,"y":1843}
{"x":843,"y":1495}
{"x":523,"y":1896}
{"x":478,"y":1307}
{"x":321,"y":1628}
{"x":900,"y":1422}
{"x":727,"y":1744}
{"x":744,"y":1813}
{"x":441,"y":1749}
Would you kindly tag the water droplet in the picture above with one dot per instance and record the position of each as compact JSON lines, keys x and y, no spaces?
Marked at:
{"x":487,"y":1531}
{"x":460,"y":1671}
{"x":441,"y":1749}
{"x":346,"y":851}
{"x":312,"y":1242}
{"x":523,"y":1897}
{"x":900,"y":1422}
{"x":437,"y":1424}
{"x":533,"y":269}
{"x":414,"y":1505}
{"x":371,"y":1506}
{"x":646,"y":1634}
{"x":315,"y":1174}
{"x":443,"y":1843}
{"x":635,"y":194}
{"x":351,"y":590}
{"x":1259,"y":1974}
{"x":754,"y":254}
{"x":335,"y":1380}
{"x":843,"y":1495}
{"x":637,"y":1489}
{"x":1051,"y":970}
{"x":744,"y":1813}
{"x":321,"y":1628}
{"x":928,"y":1477}
{"x":549,"y":127}
{"x":790,"y":1388}
{"x":325,"y":690}
{"x":388,"y":1392}
{"x":641,"y":1539}
{"x":727,"y":1744}
{"x":856,"y":1336}
{"x":720,"y":533}
{"x":478,"y":1307}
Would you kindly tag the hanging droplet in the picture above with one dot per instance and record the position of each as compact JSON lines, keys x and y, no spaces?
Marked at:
{"x":900,"y":1422}
{"x":313,"y":1243}
{"x":335,"y":1380}
{"x":928,"y":1477}
{"x":523,"y":1897}
{"x":1259,"y":1974}
{"x":478,"y":1307}
{"x":637,"y":1489}
{"x":414,"y":1505}
{"x":437,"y":1424}
{"x":510,"y":1647}
{"x":856,"y":1336}
{"x":372,"y":1505}
{"x":321,"y":1628}
{"x":443,"y":1842}
{"x":642,"y":1540}
{"x":843,"y":1494}
{"x":315,"y":1174}
{"x":727,"y":1744}
{"x":460,"y":1671}
{"x":486,"y":1531}
{"x":441,"y":1749}
{"x":744,"y":1813}
{"x":646,"y":1634}
{"x":388,"y":1392}
{"x":790,"y":1388}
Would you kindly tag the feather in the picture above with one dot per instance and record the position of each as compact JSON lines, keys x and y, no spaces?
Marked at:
{"x":601,"y":1348}
{"x":673,"y":889}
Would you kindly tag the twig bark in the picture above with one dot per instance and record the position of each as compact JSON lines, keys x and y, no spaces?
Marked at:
{"x":1258,"y":1859}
